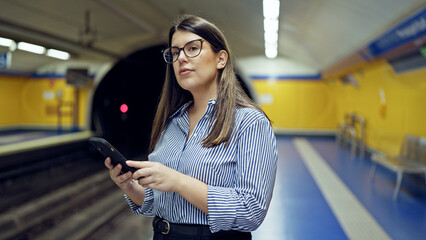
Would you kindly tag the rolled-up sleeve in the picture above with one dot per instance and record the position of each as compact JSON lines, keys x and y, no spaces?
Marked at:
{"x":243,"y":207}
{"x":147,"y":206}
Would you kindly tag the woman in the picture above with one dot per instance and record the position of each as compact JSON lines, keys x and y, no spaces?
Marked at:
{"x":212,"y":157}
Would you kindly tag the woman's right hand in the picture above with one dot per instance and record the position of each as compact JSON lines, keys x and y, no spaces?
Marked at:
{"x":123,"y":181}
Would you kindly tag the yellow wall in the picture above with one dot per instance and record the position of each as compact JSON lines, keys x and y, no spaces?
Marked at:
{"x":10,"y":99}
{"x":403,"y":111}
{"x":298,"y":104}
{"x":33,"y":102}
{"x":309,"y":105}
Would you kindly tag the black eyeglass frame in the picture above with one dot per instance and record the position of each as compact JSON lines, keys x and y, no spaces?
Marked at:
{"x":182,"y":49}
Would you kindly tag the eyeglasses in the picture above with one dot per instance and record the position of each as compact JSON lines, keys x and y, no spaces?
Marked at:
{"x":191,"y":50}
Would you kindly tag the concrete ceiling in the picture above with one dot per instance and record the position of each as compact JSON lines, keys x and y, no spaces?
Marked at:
{"x":314,"y":33}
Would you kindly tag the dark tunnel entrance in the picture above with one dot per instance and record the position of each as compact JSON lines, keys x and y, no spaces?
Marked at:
{"x":135,"y":81}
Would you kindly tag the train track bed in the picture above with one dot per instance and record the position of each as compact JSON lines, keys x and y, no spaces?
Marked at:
{"x":63,"y":192}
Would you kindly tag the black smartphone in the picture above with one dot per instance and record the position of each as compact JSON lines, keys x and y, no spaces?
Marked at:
{"x":108,"y":150}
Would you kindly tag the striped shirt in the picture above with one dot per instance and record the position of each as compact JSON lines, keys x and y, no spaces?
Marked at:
{"x":240,"y":176}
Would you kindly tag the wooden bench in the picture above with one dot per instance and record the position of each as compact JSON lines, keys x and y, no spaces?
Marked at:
{"x":411,"y":159}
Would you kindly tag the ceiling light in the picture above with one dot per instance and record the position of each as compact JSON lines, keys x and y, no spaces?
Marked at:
{"x":271,"y":45}
{"x":31,"y":48}
{"x":271,"y":52}
{"x":6,"y":42}
{"x":271,"y":37}
{"x":271,"y":8}
{"x":270,"y":25}
{"x":271,"y":13}
{"x":271,"y":49}
{"x":58,"y":54}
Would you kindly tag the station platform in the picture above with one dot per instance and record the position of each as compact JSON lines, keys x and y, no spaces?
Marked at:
{"x":320,"y":193}
{"x":14,"y":141}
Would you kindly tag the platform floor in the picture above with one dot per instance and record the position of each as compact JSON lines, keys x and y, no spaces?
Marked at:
{"x":13,"y":141}
{"x":18,"y":136}
{"x":320,"y":193}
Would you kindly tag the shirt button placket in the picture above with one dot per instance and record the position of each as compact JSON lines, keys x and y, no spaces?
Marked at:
{"x":175,"y":212}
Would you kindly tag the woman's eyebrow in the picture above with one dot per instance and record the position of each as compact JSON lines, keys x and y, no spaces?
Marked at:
{"x":185,"y":43}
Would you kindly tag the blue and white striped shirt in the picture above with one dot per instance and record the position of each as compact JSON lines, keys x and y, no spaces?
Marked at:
{"x":240,"y":176}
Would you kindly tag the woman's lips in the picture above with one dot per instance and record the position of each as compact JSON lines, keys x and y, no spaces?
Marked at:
{"x":184,"y":71}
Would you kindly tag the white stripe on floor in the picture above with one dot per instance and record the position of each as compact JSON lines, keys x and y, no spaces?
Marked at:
{"x":355,"y":220}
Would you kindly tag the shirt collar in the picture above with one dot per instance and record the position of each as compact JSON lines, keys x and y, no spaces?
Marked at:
{"x":185,"y":107}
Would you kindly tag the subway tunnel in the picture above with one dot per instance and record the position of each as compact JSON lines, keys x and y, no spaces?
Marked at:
{"x":135,"y":81}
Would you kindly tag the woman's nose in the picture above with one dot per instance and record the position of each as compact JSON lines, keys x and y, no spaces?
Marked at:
{"x":182,"y":56}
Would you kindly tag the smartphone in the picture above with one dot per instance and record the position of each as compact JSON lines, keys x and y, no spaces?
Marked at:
{"x":108,"y":150}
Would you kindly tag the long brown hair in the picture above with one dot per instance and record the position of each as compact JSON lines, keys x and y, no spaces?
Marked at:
{"x":230,"y":93}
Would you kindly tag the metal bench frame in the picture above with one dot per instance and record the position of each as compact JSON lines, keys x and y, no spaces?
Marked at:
{"x":411,"y":159}
{"x":347,"y":133}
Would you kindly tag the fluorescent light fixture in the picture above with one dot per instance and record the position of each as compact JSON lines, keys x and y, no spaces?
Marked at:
{"x":58,"y":54}
{"x":271,"y":52}
{"x":271,"y":45}
{"x":271,"y":37}
{"x":271,"y":13}
{"x":271,"y":8}
{"x":270,"y":25}
{"x":31,"y":48}
{"x":6,"y":42}
{"x":13,"y":46}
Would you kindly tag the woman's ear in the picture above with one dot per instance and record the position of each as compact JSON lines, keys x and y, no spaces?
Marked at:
{"x":222,"y":59}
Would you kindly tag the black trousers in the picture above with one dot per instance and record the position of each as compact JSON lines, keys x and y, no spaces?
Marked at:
{"x":214,"y":236}
{"x":163,"y":230}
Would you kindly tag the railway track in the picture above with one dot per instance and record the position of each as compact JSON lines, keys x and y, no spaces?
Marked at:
{"x":57,"y":193}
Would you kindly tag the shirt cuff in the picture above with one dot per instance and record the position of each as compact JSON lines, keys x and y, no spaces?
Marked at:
{"x":222,"y":208}
{"x":147,"y":206}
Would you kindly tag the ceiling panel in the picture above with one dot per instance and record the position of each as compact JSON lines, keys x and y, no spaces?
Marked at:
{"x":315,"y":33}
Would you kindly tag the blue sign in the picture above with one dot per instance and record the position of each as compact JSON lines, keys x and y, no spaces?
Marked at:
{"x":408,"y":30}
{"x":5,"y":59}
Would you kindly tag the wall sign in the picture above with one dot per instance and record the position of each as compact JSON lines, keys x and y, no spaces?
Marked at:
{"x":5,"y":60}
{"x":407,"y":31}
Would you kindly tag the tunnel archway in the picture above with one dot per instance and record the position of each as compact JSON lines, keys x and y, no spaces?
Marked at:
{"x":135,"y":81}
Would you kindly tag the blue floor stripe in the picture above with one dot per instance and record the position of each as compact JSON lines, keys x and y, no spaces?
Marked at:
{"x":298,"y":209}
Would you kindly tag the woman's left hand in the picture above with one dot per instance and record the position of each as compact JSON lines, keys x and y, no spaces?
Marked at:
{"x":155,"y":175}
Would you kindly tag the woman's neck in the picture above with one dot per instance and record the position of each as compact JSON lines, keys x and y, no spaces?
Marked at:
{"x":202,"y":98}
{"x":200,"y":103}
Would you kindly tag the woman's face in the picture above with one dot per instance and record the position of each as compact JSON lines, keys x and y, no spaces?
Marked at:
{"x":198,"y":74}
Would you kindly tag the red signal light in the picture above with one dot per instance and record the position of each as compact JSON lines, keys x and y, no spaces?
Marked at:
{"x":124,"y":108}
